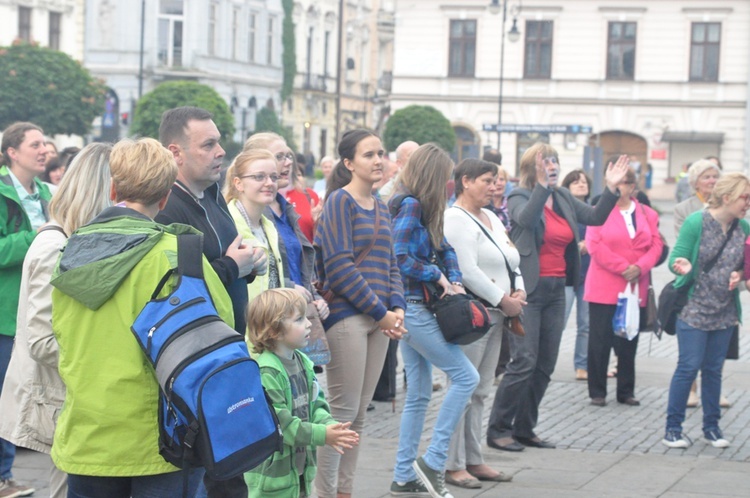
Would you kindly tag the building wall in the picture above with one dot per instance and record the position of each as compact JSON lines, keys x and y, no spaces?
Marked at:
{"x":113,"y":51}
{"x":661,"y":98}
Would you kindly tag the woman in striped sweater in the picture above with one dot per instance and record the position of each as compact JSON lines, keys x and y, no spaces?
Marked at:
{"x":354,"y":260}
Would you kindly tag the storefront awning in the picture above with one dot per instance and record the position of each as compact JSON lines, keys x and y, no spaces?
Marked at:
{"x":692,"y":136}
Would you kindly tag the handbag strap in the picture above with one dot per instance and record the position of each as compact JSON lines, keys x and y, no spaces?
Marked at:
{"x":511,"y":273}
{"x":712,"y":262}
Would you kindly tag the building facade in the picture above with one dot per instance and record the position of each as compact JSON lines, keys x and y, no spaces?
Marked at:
{"x":57,"y":24}
{"x":366,"y":67}
{"x":666,"y":82}
{"x":234,"y":46}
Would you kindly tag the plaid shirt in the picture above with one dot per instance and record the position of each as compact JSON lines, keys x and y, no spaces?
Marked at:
{"x":411,"y":243}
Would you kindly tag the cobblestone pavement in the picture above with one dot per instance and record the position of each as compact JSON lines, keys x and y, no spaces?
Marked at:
{"x":613,"y":451}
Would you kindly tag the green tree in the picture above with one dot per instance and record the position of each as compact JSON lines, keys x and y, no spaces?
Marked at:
{"x":177,"y":94}
{"x":289,"y":55}
{"x":267,"y":120}
{"x":420,"y":123}
{"x":48,"y":88}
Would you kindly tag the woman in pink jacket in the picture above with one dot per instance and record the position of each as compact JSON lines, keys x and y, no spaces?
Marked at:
{"x":622,"y":250}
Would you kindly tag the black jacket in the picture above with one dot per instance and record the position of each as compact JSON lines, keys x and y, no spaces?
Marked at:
{"x":218,"y":233}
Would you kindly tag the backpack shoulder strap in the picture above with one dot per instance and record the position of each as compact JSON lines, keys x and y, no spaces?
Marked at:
{"x":190,"y":255}
{"x":50,"y":228}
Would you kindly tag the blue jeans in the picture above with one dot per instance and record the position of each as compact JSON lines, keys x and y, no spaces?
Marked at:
{"x":515,"y":410}
{"x":421,"y":348}
{"x":168,"y":485}
{"x":582,"y":325}
{"x":703,"y":350}
{"x":7,"y":449}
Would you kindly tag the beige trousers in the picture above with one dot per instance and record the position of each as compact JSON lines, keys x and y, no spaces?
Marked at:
{"x":358,"y":349}
{"x":466,"y":442}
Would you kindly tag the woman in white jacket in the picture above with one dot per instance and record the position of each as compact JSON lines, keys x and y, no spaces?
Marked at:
{"x":483,"y":248}
{"x":33,"y":392}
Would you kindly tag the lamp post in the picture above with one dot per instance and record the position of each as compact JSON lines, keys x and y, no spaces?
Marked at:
{"x":513,"y":36}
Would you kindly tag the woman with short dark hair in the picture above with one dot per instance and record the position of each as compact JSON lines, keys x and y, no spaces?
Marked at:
{"x":485,"y":254}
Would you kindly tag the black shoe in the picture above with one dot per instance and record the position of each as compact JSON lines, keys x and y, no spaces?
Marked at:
{"x":631,"y":401}
{"x":535,"y":442}
{"x":511,"y":446}
{"x":370,"y":407}
{"x":598,"y":401}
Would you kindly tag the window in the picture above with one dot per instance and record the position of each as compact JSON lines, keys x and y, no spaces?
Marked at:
{"x":705,"y":42}
{"x":269,"y":44}
{"x":54,"y":30}
{"x":213,"y":13}
{"x":621,"y":51}
{"x":235,"y":32}
{"x":538,"y":60}
{"x":24,"y":23}
{"x":170,"y":32}
{"x":251,"y":33}
{"x":462,"y":48}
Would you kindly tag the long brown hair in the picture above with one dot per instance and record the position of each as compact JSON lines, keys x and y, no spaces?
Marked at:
{"x":425,"y":175}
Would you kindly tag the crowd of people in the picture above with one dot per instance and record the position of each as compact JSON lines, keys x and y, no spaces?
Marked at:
{"x":85,"y":240}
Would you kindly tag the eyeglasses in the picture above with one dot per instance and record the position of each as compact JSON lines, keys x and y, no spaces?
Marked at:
{"x":261,"y":178}
{"x":281,"y":156}
{"x":551,"y":159}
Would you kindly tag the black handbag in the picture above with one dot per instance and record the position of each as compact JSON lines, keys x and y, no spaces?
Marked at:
{"x":462,"y":319}
{"x":672,"y":299}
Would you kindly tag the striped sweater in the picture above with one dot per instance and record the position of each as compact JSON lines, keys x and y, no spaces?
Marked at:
{"x":344,"y":231}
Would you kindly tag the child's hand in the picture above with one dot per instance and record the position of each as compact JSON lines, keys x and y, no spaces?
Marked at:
{"x":340,"y":437}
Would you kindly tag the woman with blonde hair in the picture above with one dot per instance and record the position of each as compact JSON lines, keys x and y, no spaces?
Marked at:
{"x":250,"y":187}
{"x":545,"y":229}
{"x":499,"y":201}
{"x":425,"y":257}
{"x":33,"y":392}
{"x":297,"y":253}
{"x":713,"y":238}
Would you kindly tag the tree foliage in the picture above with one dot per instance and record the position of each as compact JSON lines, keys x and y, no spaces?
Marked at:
{"x":267,"y":120}
{"x":289,"y":55}
{"x":48,"y":88}
{"x":421,"y":124}
{"x":173,"y":94}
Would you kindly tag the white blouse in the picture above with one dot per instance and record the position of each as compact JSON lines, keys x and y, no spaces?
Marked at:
{"x":482,"y":265}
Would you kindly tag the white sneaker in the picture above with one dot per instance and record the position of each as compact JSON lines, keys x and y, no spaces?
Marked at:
{"x":676,"y":439}
{"x":716,"y":438}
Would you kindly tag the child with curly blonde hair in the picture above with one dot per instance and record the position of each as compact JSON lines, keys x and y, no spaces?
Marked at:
{"x":277,"y":327}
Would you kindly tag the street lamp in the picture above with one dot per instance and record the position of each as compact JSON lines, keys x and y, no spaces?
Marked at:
{"x":513,"y":36}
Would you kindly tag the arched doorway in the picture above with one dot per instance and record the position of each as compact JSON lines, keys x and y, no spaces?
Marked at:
{"x":467,"y":144}
{"x":615,"y":143}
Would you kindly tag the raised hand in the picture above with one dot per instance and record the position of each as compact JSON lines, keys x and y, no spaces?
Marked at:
{"x":616,"y":172}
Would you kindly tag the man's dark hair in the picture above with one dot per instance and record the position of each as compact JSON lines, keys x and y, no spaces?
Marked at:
{"x":174,"y":122}
{"x":493,"y":156}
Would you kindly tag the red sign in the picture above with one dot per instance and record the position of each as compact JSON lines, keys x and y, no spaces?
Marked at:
{"x":658,"y":153}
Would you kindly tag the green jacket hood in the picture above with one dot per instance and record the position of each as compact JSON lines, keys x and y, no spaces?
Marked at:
{"x":99,"y":255}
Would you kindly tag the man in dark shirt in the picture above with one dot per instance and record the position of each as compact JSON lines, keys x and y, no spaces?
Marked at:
{"x":196,"y":200}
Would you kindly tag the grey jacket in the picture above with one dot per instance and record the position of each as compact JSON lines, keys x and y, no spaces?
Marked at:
{"x":526,"y":210}
{"x":685,"y":209}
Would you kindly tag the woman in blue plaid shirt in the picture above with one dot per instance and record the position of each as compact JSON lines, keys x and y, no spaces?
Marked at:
{"x":424,"y":256}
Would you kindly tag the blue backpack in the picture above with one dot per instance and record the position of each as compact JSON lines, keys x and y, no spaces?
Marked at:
{"x":213,"y":410}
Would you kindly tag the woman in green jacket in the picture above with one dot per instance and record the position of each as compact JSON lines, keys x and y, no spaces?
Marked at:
{"x":704,"y":326}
